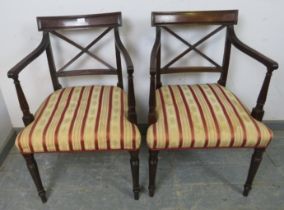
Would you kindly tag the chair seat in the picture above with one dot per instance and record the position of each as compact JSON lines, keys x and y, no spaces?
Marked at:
{"x":203,"y":116}
{"x":84,"y":118}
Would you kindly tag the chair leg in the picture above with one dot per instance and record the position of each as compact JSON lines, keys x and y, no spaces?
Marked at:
{"x":254,"y":164}
{"x":134,"y":162}
{"x":153,"y":162}
{"x":33,"y":169}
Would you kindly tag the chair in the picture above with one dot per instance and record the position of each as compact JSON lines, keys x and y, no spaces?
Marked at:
{"x":81,"y":118}
{"x":203,"y":115}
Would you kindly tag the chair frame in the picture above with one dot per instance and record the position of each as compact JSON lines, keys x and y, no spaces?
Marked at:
{"x":49,"y":25}
{"x":227,"y":19}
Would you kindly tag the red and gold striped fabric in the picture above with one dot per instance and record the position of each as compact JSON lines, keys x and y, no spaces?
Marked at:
{"x":81,"y":119}
{"x":203,"y":116}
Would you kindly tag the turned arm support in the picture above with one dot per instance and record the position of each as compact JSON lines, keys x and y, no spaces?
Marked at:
{"x":14,"y":74}
{"x":271,"y":65}
{"x":132,"y":117}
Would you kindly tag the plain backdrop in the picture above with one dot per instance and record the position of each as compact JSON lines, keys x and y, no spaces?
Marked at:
{"x":5,"y":124}
{"x":261,"y":25}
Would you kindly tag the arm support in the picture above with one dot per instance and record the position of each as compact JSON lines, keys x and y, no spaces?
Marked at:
{"x":132,"y":117}
{"x":14,"y":73}
{"x":152,"y":100}
{"x":257,"y":111}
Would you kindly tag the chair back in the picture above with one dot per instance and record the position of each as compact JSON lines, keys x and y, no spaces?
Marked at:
{"x":165,"y":21}
{"x":56,"y":24}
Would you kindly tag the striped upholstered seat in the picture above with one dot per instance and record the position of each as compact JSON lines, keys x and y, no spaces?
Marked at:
{"x":203,"y":116}
{"x":81,"y":119}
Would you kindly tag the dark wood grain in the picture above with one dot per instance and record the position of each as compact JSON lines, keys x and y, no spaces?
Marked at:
{"x":269,"y":63}
{"x":226,"y":60}
{"x":191,"y":46}
{"x":48,"y":25}
{"x":155,"y":62}
{"x":152,"y":100}
{"x":196,"y":69}
{"x":52,"y":68}
{"x":134,"y":162}
{"x":33,"y":169}
{"x":203,"y":39}
{"x":254,"y":165}
{"x":27,"y":115}
{"x":155,"y":51}
{"x":195,"y":17}
{"x":155,"y":65}
{"x":227,"y":19}
{"x":153,"y":163}
{"x":158,"y":75}
{"x":85,"y":49}
{"x":123,"y":51}
{"x":258,"y":111}
{"x":79,"y":21}
{"x":119,"y":68}
{"x":132,"y":116}
{"x":83,"y":72}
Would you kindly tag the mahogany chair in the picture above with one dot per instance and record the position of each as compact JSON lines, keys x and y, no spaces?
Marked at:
{"x":203,"y":115}
{"x":85,"y":118}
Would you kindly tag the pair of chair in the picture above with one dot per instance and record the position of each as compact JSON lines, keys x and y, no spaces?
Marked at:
{"x":96,"y":118}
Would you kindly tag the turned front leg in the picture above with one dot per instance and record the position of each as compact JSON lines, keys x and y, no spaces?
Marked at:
{"x":33,"y":169}
{"x":255,"y":162}
{"x":134,"y":162}
{"x":153,"y":162}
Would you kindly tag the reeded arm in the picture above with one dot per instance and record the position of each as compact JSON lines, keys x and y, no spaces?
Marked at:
{"x":271,"y":65}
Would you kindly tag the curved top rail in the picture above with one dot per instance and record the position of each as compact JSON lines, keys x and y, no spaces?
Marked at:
{"x":50,"y":23}
{"x":226,"y":17}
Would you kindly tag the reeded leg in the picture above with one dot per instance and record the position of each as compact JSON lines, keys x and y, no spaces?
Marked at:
{"x":32,"y":166}
{"x":254,"y":164}
{"x":153,"y":161}
{"x":134,"y":162}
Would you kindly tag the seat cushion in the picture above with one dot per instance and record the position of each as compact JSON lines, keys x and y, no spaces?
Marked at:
{"x":203,"y":116}
{"x":81,"y":119}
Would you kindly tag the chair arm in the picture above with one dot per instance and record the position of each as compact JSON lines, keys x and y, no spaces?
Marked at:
{"x":14,"y":72}
{"x":269,"y":63}
{"x":154,"y":52}
{"x":153,"y":73}
{"x":123,"y":51}
{"x":131,"y":112}
{"x":257,"y":111}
